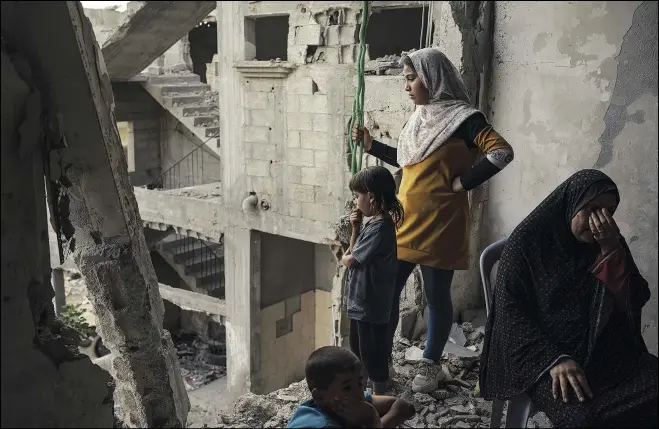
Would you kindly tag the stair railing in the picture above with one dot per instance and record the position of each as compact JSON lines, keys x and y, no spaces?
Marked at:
{"x":211,"y":264}
{"x":193,"y":162}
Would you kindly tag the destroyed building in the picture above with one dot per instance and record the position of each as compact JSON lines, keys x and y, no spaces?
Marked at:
{"x":232,"y":117}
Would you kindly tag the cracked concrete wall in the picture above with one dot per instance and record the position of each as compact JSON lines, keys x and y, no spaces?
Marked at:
{"x":45,"y":381}
{"x":574,"y":86}
{"x":97,"y":212}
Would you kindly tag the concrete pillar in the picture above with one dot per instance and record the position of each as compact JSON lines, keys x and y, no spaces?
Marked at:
{"x":98,"y":214}
{"x":58,"y":286}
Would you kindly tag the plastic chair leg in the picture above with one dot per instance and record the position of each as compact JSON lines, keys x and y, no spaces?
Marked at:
{"x":497,"y":414}
{"x":518,"y":412}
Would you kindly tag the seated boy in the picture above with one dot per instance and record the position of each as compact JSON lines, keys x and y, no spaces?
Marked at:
{"x":336,"y":380}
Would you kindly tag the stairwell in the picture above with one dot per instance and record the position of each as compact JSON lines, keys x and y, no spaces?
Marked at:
{"x":193,"y":103}
{"x":199,"y":263}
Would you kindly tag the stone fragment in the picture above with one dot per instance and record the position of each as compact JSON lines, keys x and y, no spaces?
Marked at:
{"x":414,"y":354}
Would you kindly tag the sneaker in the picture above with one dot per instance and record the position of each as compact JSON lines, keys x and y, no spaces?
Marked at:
{"x":429,"y":376}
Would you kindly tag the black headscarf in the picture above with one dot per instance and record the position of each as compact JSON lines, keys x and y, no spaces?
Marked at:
{"x":546,"y":301}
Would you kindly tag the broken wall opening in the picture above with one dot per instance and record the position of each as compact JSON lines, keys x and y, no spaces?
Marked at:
{"x":267,"y":38}
{"x":203,"y":45}
{"x":392,"y":31}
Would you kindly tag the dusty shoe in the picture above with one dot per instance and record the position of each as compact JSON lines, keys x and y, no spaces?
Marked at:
{"x":429,"y":377}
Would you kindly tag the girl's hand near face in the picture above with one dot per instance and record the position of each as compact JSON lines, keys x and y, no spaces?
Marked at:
{"x":605,"y":230}
{"x":356,"y":219}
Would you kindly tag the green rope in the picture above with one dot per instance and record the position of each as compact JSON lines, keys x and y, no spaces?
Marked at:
{"x":357,"y":146}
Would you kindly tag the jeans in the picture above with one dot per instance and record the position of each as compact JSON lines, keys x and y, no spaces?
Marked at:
{"x":437,"y":288}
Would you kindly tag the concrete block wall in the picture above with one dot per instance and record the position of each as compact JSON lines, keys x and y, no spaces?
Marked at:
{"x":144,"y":150}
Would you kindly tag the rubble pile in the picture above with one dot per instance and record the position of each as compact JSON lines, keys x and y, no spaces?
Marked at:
{"x":387,"y":65}
{"x":453,"y":405}
{"x":200,"y":362}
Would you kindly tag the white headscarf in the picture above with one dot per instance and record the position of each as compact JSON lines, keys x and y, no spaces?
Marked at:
{"x":431,"y":125}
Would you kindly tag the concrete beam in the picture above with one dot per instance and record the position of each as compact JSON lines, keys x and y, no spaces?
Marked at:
{"x":148,"y":33}
{"x":193,"y":301}
{"x":97,"y":212}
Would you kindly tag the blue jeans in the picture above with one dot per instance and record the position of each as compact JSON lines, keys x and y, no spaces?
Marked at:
{"x":437,"y":288}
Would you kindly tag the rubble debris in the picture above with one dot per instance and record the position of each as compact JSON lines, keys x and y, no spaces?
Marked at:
{"x":457,"y":336}
{"x":452,"y":405}
{"x":200,"y":362}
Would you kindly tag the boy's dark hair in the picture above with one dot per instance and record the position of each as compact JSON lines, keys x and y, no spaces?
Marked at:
{"x":325,"y":363}
{"x":379,"y":182}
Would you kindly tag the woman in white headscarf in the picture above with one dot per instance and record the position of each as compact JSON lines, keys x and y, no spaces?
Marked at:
{"x":437,"y":150}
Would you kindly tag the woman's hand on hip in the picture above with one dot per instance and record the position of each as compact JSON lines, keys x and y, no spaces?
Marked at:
{"x":569,"y":375}
{"x":456,"y":185}
{"x":605,"y":230}
{"x":362,"y":133}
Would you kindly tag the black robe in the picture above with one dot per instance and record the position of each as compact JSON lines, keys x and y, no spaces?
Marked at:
{"x":547,"y":305}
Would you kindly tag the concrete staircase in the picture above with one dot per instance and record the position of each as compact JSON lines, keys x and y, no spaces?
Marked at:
{"x":191,"y":102}
{"x":199,"y":263}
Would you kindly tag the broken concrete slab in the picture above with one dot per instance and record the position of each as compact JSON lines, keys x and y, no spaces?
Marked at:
{"x":148,"y":33}
{"x":457,"y":336}
{"x":98,"y":216}
{"x":451,"y":349}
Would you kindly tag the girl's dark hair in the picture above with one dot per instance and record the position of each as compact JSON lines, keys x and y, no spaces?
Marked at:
{"x":380,"y":183}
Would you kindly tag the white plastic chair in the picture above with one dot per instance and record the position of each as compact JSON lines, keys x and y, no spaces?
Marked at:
{"x":520,"y":406}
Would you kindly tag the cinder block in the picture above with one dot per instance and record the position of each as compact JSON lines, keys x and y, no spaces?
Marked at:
{"x":321,"y":123}
{"x":301,"y":86}
{"x":262,"y":118}
{"x":313,"y":103}
{"x":314,"y":176}
{"x":293,"y":208}
{"x":262,"y":151}
{"x":320,"y":158}
{"x":300,"y":157}
{"x":253,"y":134}
{"x":348,"y":35}
{"x":302,"y":193}
{"x":294,"y":174}
{"x":300,"y":121}
{"x":308,"y":35}
{"x":332,"y":35}
{"x":262,"y":185}
{"x":258,"y":100}
{"x":258,"y":168}
{"x":292,"y":103}
{"x":314,"y":140}
{"x":293,"y":139}
{"x":316,"y":211}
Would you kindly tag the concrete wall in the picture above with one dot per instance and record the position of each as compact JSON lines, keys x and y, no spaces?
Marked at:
{"x":574,"y":86}
{"x":144,"y":150}
{"x":200,"y":167}
{"x":289,"y":334}
{"x":287,"y":268}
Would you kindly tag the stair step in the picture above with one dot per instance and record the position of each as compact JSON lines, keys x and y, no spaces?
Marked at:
{"x":183,"y":88}
{"x":165,"y":79}
{"x":217,"y":292}
{"x":214,"y":279}
{"x":199,"y":110}
{"x":205,"y":121}
{"x":190,"y":253}
{"x":200,"y":258}
{"x":213,"y":132}
{"x":182,"y":100}
{"x":176,"y":244}
{"x":208,"y":266}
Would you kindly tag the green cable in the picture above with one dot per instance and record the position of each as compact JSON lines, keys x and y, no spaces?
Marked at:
{"x":357,"y":146}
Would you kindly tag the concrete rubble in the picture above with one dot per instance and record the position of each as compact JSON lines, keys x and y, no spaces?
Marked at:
{"x":452,"y":405}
